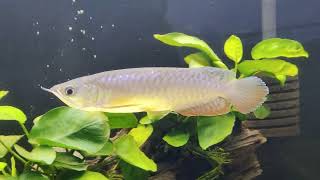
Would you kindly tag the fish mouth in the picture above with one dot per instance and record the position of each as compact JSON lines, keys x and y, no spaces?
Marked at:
{"x":46,"y":89}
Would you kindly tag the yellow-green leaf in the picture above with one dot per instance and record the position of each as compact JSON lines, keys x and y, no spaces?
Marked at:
{"x":184,"y":40}
{"x":212,"y":130}
{"x":177,"y":138}
{"x":127,"y":149}
{"x":199,"y":59}
{"x":272,"y":66}
{"x":3,"y":165}
{"x":12,"y":113}
{"x":41,"y":154}
{"x":8,"y":141}
{"x":233,"y":48}
{"x":262,"y":112}
{"x":3,"y":94}
{"x":141,"y":133}
{"x":277,"y":47}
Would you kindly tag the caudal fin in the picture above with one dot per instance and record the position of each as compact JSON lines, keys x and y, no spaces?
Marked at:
{"x":247,"y":94}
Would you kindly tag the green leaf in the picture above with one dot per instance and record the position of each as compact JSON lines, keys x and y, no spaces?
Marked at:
{"x":40,"y":154}
{"x":106,"y":150}
{"x":132,"y":173}
{"x":177,"y":137}
{"x":277,"y":47}
{"x":281,"y":78}
{"x":12,"y":113}
{"x":272,"y":66}
{"x":13,"y":167}
{"x":85,"y":175}
{"x":184,"y":40}
{"x":233,"y":48}
{"x":9,"y":141}
{"x":262,"y":112}
{"x":68,"y":161}
{"x":196,"y":60}
{"x":3,"y":94}
{"x":31,"y":175}
{"x":71,"y":128}
{"x":212,"y":130}
{"x":141,"y":133}
{"x":128,"y":150}
{"x":3,"y":165}
{"x":122,"y":120}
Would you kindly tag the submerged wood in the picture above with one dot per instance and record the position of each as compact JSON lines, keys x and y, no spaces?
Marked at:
{"x":284,"y":103}
{"x":244,"y":165}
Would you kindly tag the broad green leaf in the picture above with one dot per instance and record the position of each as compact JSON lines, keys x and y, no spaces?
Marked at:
{"x":145,"y":120}
{"x":212,"y":130}
{"x":8,"y":178}
{"x":233,"y":48}
{"x":184,"y":40}
{"x":281,"y":78}
{"x":13,"y":167}
{"x":127,"y":149}
{"x":122,"y":120}
{"x":3,"y":165}
{"x":84,"y":175}
{"x":132,"y":173}
{"x":177,"y":137}
{"x":277,"y":47}
{"x":8,"y":141}
{"x":272,"y":66}
{"x":40,"y":154}
{"x":141,"y":133}
{"x":199,"y":59}
{"x":262,"y":112}
{"x":3,"y":94}
{"x":31,"y":175}
{"x":106,"y":150}
{"x":152,"y":117}
{"x":67,"y":161}
{"x":12,"y":113}
{"x":71,"y":128}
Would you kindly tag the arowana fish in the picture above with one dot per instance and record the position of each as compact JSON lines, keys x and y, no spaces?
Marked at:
{"x":205,"y":91}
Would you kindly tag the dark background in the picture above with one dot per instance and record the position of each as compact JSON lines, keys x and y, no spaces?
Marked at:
{"x":122,"y":31}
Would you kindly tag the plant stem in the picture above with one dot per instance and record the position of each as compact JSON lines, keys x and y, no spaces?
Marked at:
{"x":5,"y":173}
{"x":13,"y":153}
{"x":24,"y":129}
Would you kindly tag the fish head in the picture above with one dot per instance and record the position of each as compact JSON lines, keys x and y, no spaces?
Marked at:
{"x":75,"y":93}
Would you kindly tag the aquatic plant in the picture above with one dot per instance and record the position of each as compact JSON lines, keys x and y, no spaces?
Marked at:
{"x":67,"y":143}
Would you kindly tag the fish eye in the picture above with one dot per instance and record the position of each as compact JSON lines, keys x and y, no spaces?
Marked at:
{"x":69,"y":91}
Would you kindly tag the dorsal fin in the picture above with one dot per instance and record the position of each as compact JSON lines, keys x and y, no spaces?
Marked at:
{"x":219,"y":74}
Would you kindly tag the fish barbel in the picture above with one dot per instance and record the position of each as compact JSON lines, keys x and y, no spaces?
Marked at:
{"x":205,"y":91}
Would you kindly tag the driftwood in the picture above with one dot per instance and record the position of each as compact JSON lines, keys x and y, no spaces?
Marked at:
{"x":242,"y":147}
{"x":284,"y":103}
{"x":244,"y":165}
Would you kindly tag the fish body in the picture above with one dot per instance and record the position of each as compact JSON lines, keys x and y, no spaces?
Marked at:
{"x":203,"y":91}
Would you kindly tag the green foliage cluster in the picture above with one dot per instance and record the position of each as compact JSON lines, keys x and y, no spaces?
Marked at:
{"x":72,"y":144}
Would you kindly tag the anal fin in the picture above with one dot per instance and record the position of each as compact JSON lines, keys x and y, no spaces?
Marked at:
{"x":215,"y":107}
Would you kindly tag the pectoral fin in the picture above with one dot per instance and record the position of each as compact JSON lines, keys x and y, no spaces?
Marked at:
{"x":153,"y":116}
{"x":218,"y":106}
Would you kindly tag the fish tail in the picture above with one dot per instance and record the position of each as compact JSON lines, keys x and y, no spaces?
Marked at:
{"x":247,"y":94}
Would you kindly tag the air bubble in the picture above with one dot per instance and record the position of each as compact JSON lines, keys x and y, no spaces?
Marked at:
{"x":113,"y":25}
{"x":83,"y":49}
{"x":38,"y":32}
{"x":95,"y":56}
{"x":83,"y":31}
{"x":81,"y":11}
{"x":72,"y":40}
{"x":92,"y":38}
{"x":70,"y":28}
{"x":47,"y":65}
